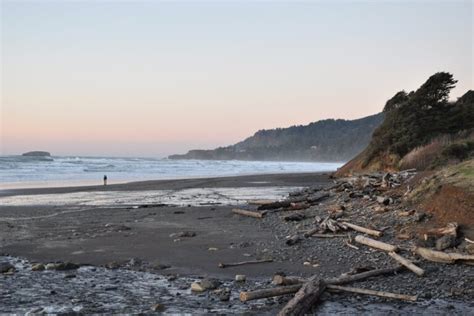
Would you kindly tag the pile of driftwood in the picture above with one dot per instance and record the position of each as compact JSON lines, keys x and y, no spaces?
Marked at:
{"x":307,"y":292}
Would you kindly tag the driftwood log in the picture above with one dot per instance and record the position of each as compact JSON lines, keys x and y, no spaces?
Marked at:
{"x":407,"y":263}
{"x":364,"y":230}
{"x":226,"y":265}
{"x":372,"y":292}
{"x":284,"y":280}
{"x":305,"y":298}
{"x":375,"y":243}
{"x":282,"y":290}
{"x":271,"y":292}
{"x":443,"y":257}
{"x":248,"y":213}
{"x":274,"y":205}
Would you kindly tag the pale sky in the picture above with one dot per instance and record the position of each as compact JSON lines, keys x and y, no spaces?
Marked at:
{"x":123,"y":78}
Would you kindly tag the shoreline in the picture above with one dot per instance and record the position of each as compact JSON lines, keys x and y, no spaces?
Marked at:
{"x":277,"y":179}
{"x":183,"y":242}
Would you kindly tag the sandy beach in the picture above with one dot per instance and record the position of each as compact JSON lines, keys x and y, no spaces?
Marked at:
{"x":102,"y":235}
{"x":163,"y":235}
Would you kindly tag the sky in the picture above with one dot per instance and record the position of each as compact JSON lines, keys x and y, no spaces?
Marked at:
{"x":131,"y":78}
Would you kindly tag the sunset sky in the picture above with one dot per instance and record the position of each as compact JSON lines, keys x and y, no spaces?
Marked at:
{"x":155,"y":78}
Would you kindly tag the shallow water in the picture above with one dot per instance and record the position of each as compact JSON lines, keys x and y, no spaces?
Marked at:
{"x":23,"y":172}
{"x":100,"y":290}
{"x":193,"y":197}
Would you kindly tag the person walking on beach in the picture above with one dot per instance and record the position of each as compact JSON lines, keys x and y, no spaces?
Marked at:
{"x":105,"y":179}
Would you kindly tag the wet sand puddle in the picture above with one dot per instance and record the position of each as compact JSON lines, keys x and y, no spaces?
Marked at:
{"x":99,"y":290}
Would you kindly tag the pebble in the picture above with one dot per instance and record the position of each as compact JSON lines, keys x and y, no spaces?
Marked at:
{"x":6,"y":267}
{"x":240,"y":278}
{"x":158,"y":308}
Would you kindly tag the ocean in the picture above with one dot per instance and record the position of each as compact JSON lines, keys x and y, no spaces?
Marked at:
{"x":57,"y":171}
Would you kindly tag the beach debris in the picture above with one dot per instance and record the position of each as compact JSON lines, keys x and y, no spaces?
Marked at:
{"x":240,"y":278}
{"x":290,"y":289}
{"x":443,"y":257}
{"x":205,"y":284}
{"x":185,"y":234}
{"x":270,"y":292}
{"x":305,"y":298}
{"x":364,"y":230}
{"x":157,"y":308}
{"x":375,"y":243}
{"x":223,"y":294}
{"x":112,"y":265}
{"x":61,"y":266}
{"x":445,"y":242}
{"x":279,"y":279}
{"x":294,"y":217}
{"x":449,"y":229}
{"x":274,"y":205}
{"x":298,"y":206}
{"x":248,"y":213}
{"x":293,"y":240}
{"x":37,"y":267}
{"x":234,"y":264}
{"x":7,"y":267}
{"x":407,"y":263}
{"x":403,"y":297}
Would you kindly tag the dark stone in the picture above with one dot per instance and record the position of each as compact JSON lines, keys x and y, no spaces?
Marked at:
{"x":210,"y":284}
{"x":186,"y":234}
{"x":445,"y":242}
{"x":6,"y":267}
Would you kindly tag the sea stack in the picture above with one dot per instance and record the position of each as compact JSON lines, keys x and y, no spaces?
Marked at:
{"x":37,"y":154}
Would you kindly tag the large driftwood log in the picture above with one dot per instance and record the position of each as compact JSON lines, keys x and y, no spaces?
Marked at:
{"x":248,"y":213}
{"x":305,"y":298}
{"x":317,"y":197}
{"x":407,"y":263}
{"x":226,"y":265}
{"x":372,"y":292}
{"x":364,"y":230}
{"x":282,"y":290}
{"x":362,"y":276}
{"x":375,"y":243}
{"x":443,"y":257}
{"x":271,"y":292}
{"x":294,"y":206}
{"x":274,"y":205}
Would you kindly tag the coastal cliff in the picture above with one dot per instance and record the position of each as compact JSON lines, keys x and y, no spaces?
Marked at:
{"x":325,"y":140}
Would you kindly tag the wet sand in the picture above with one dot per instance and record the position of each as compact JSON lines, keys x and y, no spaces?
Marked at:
{"x":99,"y":236}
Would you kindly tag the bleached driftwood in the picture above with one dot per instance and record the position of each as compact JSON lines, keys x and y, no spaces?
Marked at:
{"x":364,"y":230}
{"x":271,"y":292}
{"x":282,"y":290}
{"x":248,"y":213}
{"x":443,"y":257}
{"x":226,"y":265}
{"x":284,"y":280}
{"x":305,"y":298}
{"x":407,"y":263}
{"x":375,"y":244}
{"x":403,"y":297}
